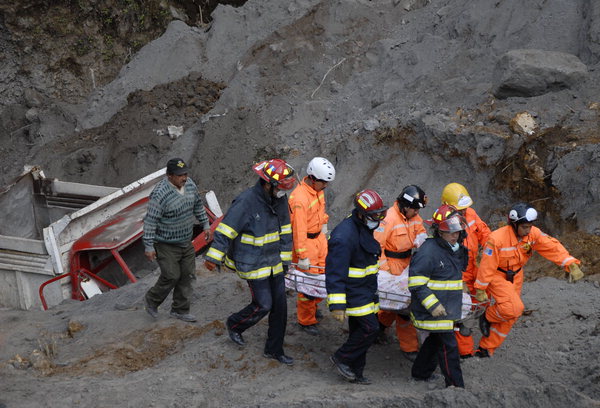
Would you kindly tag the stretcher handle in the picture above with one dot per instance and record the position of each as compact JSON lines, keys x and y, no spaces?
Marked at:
{"x":312,"y":266}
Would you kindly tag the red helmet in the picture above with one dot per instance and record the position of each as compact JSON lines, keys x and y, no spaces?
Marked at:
{"x":277,"y":172}
{"x":370,"y":203}
{"x":447,"y":219}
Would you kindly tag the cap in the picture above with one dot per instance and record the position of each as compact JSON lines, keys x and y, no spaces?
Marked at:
{"x":177,"y":167}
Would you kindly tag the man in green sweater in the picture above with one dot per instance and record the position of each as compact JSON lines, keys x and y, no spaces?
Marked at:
{"x":168,"y":230}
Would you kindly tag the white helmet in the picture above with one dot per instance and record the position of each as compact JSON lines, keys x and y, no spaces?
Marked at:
{"x":321,"y":169}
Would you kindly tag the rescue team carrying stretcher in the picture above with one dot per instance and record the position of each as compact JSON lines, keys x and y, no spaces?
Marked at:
{"x":265,"y":232}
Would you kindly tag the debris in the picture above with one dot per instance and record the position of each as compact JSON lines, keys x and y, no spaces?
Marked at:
{"x":523,"y":123}
{"x":175,"y":132}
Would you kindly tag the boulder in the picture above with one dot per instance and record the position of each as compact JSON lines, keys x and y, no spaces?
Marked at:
{"x":528,"y":73}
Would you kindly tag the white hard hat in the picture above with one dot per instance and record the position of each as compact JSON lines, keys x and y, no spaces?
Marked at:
{"x":321,"y":168}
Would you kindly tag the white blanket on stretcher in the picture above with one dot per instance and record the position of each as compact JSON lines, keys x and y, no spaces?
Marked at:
{"x":393,"y":289}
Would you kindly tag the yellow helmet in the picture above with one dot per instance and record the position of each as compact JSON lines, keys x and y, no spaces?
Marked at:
{"x":456,"y":195}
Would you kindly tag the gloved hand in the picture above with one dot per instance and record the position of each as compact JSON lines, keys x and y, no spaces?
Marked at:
{"x":466,"y":288}
{"x":480,"y":295}
{"x":439,"y":311}
{"x":339,"y":315}
{"x":574,"y":273}
{"x":324,"y":229}
{"x":304,"y":263}
{"x":211,"y":266}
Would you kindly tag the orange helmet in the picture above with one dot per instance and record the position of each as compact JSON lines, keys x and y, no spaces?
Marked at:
{"x":277,"y":172}
{"x":370,"y":203}
{"x":447,"y":219}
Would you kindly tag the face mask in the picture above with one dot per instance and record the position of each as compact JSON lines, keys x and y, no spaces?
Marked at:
{"x":280,"y":194}
{"x":372,"y":224}
{"x":455,"y":246}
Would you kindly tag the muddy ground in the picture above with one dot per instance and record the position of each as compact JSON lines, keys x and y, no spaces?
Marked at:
{"x":108,"y":352}
{"x":392,"y":92}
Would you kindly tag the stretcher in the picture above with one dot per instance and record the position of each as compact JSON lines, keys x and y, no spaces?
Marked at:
{"x":392,"y":289}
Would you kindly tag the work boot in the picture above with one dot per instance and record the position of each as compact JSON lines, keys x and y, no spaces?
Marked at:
{"x":311,"y":329}
{"x":410,"y":355}
{"x":186,"y":317}
{"x":484,"y":326}
{"x":318,"y":314}
{"x":152,"y":310}
{"x":432,"y":378}
{"x":482,"y":353}
{"x":235,"y":336}
{"x":282,"y":358}
{"x":465,"y":356}
{"x":361,"y":380}
{"x":344,"y":370}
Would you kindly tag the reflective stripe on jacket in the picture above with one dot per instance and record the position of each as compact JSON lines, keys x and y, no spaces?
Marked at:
{"x":351,"y":268}
{"x":435,"y":276}
{"x":398,"y":234}
{"x":504,"y":250}
{"x":255,"y":236}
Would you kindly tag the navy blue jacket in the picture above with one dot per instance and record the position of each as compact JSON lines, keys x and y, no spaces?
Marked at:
{"x":351,"y":268}
{"x":255,"y":236}
{"x":435,"y":276}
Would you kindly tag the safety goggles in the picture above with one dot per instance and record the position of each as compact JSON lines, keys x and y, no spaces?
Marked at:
{"x":377,"y":216}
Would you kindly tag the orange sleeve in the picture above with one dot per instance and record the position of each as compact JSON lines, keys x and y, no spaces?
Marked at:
{"x":382,"y":234}
{"x":483,"y":231}
{"x":298,"y":220}
{"x":488,"y":265}
{"x":551,"y":249}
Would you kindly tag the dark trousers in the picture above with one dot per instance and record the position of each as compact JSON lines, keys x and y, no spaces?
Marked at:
{"x":268,"y":297}
{"x":177,"y":271}
{"x":363,"y":332}
{"x":439,"y":348}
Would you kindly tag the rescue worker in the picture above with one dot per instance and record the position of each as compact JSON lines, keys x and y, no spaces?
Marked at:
{"x":168,"y":230}
{"x":477,"y":233}
{"x":435,"y":284}
{"x":309,"y":229}
{"x":400,"y":232}
{"x":351,"y":281}
{"x":254,"y":239}
{"x":500,"y":274}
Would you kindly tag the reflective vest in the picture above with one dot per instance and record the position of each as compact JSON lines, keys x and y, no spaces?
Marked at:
{"x":351,"y":268}
{"x":505,"y":252}
{"x":398,"y":236}
{"x":434,"y":277}
{"x":255,"y":236}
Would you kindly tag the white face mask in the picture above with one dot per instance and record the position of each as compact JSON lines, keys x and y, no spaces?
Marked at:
{"x":280,"y":194}
{"x":455,"y":246}
{"x":372,"y":224}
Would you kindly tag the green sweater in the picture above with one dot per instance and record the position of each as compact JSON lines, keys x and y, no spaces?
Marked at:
{"x":169,"y":214}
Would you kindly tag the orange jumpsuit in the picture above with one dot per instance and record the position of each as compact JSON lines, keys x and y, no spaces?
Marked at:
{"x":504,"y":250}
{"x":477,"y":235}
{"x":398,"y":234}
{"x":307,"y":214}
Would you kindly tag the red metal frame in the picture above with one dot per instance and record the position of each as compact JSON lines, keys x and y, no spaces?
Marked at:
{"x":114,"y":235}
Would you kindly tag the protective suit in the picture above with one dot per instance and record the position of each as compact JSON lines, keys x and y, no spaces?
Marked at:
{"x":308,"y":216}
{"x":397,"y":236}
{"x":477,"y":235}
{"x":500,"y":274}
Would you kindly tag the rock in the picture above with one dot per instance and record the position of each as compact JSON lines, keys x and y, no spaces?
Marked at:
{"x":523,"y":124}
{"x":528,"y":73}
{"x":74,"y":327}
{"x":32,"y":115}
{"x":175,"y":132}
{"x":370,"y":124}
